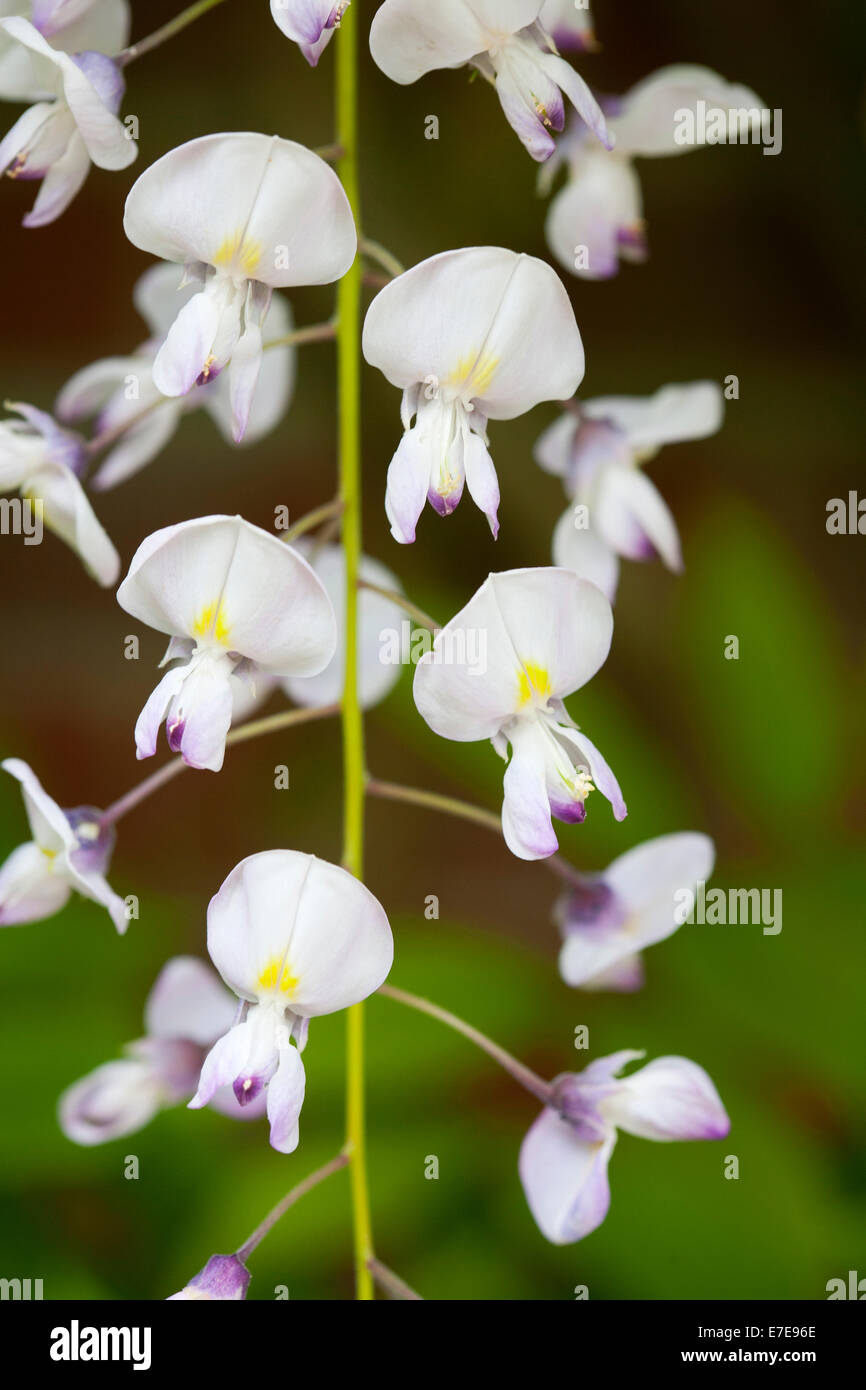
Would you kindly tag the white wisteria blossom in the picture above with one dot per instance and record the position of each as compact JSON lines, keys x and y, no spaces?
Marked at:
{"x":500,"y":670}
{"x":469,"y":336}
{"x":597,"y":218}
{"x":565,"y":1155}
{"x":505,"y":40}
{"x":245,"y":214}
{"x":376,"y":616}
{"x":69,"y":853}
{"x":569,"y":24}
{"x":235,"y":601}
{"x":295,"y":938}
{"x":186,"y":1011}
{"x":120,"y":392}
{"x":72,"y":26}
{"x":597,"y":449}
{"x":309,"y":23}
{"x":75,"y":125}
{"x":609,"y":918}
{"x":42,"y":461}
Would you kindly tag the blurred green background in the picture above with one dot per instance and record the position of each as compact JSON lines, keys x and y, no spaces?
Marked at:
{"x":756,"y":270}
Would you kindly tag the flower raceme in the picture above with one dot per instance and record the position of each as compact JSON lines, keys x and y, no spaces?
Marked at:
{"x":546,"y":633}
{"x":70,"y":852}
{"x":469,"y":335}
{"x":72,"y":26}
{"x":597,"y":450}
{"x":506,"y":42}
{"x":607,"y":920}
{"x":295,"y":938}
{"x":599,"y":211}
{"x":245,"y":214}
{"x":309,"y":23}
{"x":74,"y":125}
{"x":186,"y":1011}
{"x":122,"y":395}
{"x":235,"y":601}
{"x":565,"y":1155}
{"x":42,"y":461}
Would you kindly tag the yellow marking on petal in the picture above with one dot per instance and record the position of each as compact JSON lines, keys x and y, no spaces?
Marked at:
{"x":533,"y":681}
{"x":211,"y":622}
{"x":277,"y":975}
{"x":239,"y":252}
{"x":473,"y":374}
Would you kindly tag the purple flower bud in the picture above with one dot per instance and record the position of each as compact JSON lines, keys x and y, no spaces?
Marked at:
{"x":223,"y":1277}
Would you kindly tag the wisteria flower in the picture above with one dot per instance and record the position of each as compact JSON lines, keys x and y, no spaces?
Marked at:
{"x":70,"y":852}
{"x":597,"y":219}
{"x":186,"y":1011}
{"x":245,"y":214}
{"x":58,"y":139}
{"x":506,"y":42}
{"x":122,"y":395}
{"x":376,"y":677}
{"x":73,"y":26}
{"x":598,"y":450}
{"x":295,"y":938}
{"x":309,"y":23}
{"x":564,"y":1157}
{"x":234,"y":600}
{"x":500,"y":670}
{"x":42,"y":461}
{"x":224,"y":1278}
{"x":469,"y":336}
{"x":569,"y":24}
{"x":611,"y":917}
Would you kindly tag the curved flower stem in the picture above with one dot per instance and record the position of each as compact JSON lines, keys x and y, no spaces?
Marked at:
{"x":464,"y":810}
{"x":167,"y":31}
{"x":524,"y":1075}
{"x":313,"y":333}
{"x":375,"y":251}
{"x":313,"y":519}
{"x":349,"y":415}
{"x":256,"y":729}
{"x":392,"y":1284}
{"x":289,"y":1200}
{"x":402,"y":602}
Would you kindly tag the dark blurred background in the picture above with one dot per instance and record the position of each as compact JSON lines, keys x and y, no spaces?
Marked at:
{"x":755,"y":270}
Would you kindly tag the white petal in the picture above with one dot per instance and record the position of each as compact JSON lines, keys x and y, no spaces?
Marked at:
{"x":485,"y":324}
{"x":293,"y":928}
{"x":255,"y":206}
{"x":411,"y":37}
{"x":376,"y":616}
{"x":564,"y":1179}
{"x":61,"y":184}
{"x":48,"y":824}
{"x":674,"y":413}
{"x":222,"y":579}
{"x":601,"y":200}
{"x":526,"y":819}
{"x":69,"y":514}
{"x":188,"y":1001}
{"x":631,"y":515}
{"x":582,"y":551}
{"x":116,"y":1099}
{"x":525,"y":631}
{"x":669,"y":1098}
{"x":29,"y":890}
{"x":285,"y":1099}
{"x":648,"y":121}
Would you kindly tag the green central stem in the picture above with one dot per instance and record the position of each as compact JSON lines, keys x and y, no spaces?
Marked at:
{"x":349,"y":415}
